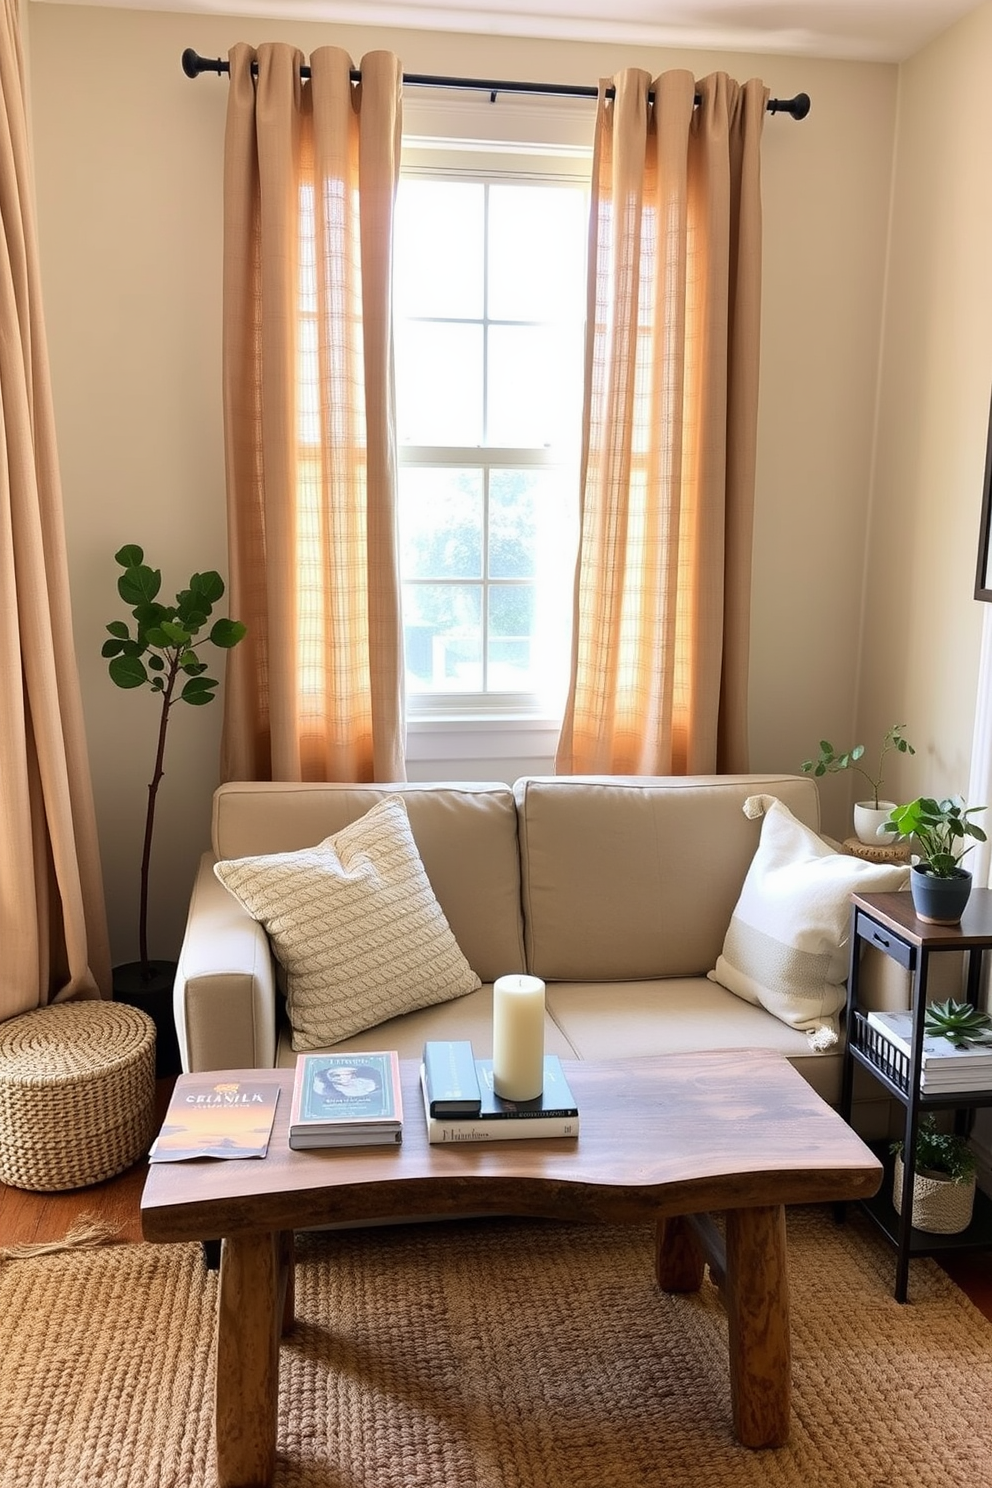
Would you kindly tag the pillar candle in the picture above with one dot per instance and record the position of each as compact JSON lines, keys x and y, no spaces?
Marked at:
{"x":518,"y":1037}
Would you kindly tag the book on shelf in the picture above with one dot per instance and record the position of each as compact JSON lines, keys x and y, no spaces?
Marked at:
{"x":451,"y":1078}
{"x":944,"y":1067}
{"x":553,"y":1113}
{"x":346,"y":1100}
{"x":211,"y":1116}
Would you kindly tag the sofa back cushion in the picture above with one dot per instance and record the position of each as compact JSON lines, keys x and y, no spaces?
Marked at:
{"x":466,"y":835}
{"x":629,"y":877}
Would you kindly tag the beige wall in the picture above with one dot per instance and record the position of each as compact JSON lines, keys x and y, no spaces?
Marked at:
{"x":128,"y":178}
{"x":922,"y":629}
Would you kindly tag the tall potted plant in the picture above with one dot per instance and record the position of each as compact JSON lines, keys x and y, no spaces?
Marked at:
{"x":871,"y":813}
{"x":163,"y":653}
{"x":941,"y":887}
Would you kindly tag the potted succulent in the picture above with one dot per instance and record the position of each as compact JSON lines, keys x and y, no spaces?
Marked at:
{"x":944,"y":1180}
{"x":871,"y":813}
{"x":941,"y":888}
{"x":163,"y":654}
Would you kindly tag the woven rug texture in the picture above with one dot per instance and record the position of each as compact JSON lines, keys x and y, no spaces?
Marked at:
{"x":494,"y":1354}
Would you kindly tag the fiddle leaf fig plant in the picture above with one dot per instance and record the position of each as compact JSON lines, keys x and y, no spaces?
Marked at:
{"x":163,"y":653}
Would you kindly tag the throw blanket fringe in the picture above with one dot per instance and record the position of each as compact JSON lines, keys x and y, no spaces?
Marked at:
{"x":87,"y":1231}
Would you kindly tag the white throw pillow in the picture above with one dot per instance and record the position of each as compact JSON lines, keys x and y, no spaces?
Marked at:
{"x":355,"y":924}
{"x":786,"y":948}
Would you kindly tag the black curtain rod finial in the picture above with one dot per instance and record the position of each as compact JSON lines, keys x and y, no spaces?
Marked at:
{"x":193,"y":65}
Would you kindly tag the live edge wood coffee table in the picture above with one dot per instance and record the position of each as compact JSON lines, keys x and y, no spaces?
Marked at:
{"x":664,"y":1141}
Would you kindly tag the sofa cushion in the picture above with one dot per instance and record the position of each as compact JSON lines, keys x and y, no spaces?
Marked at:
{"x":356,"y":925}
{"x":465,"y":831}
{"x":679,"y":1015}
{"x":629,"y":877}
{"x":786,"y":947}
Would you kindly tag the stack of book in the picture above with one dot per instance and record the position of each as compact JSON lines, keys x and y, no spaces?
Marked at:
{"x":945,"y":1068}
{"x":346,"y":1100}
{"x":461,"y":1105}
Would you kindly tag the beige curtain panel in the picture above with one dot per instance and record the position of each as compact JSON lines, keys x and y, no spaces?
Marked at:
{"x":314,"y":692}
{"x":53,"y":931}
{"x":661,"y":624}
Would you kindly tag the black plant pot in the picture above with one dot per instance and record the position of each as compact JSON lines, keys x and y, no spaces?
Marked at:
{"x":151,"y":991}
{"x":939,"y":901}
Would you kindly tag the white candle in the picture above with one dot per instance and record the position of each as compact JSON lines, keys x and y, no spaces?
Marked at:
{"x":518,"y":1037}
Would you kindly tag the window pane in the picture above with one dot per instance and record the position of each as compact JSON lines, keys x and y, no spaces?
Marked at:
{"x":442,"y":637}
{"x":439,"y":383}
{"x":511,"y":630}
{"x":441,"y":225}
{"x":440,"y":523}
{"x":535,"y":386}
{"x":512,"y":522}
{"x":537,"y":252}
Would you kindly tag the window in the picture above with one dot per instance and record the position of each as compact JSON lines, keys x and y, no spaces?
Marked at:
{"x":489,"y":284}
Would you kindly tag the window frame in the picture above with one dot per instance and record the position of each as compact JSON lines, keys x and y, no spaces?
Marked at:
{"x":468,"y":139}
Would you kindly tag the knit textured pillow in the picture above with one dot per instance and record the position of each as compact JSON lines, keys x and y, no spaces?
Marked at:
{"x":355,"y":925}
{"x":786,"y":948}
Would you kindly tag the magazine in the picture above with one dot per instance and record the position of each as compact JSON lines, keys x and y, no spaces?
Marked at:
{"x":210,"y":1115}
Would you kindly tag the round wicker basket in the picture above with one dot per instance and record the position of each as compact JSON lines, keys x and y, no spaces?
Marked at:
{"x":77,"y":1094}
{"x":940,"y":1206}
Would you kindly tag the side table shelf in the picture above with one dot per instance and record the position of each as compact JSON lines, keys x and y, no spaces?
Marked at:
{"x":889,"y":922}
{"x":881,"y":1210}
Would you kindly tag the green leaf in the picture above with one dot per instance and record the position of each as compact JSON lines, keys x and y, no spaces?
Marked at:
{"x":156,"y":663}
{"x":111,"y":648}
{"x":198,"y":690}
{"x":156,"y":636}
{"x":119,"y":629}
{"x":130,"y":556}
{"x":150,"y":614}
{"x":193,"y":667}
{"x":128,"y":671}
{"x":193,"y":619}
{"x":227,"y":633}
{"x":209,"y":585}
{"x":139,"y":585}
{"x":177,"y":634}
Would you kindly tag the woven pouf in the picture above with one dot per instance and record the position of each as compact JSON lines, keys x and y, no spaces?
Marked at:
{"x":77,"y":1094}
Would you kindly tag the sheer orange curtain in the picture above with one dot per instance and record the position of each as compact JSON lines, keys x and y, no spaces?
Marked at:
{"x":662,"y":596}
{"x":53,"y":930}
{"x":314,"y":692}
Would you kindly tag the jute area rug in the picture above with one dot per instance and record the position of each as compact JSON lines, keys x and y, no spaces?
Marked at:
{"x":495,"y":1354}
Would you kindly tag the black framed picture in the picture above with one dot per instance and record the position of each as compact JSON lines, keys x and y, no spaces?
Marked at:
{"x":983,"y":575}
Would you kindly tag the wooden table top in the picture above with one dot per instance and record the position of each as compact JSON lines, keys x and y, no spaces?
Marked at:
{"x":665,"y":1135}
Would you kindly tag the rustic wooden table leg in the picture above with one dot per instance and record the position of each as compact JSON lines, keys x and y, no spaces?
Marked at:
{"x":756,"y":1296}
{"x":254,"y":1274}
{"x":679,"y":1260}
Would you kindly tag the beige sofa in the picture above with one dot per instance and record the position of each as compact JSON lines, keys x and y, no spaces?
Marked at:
{"x":617,"y":891}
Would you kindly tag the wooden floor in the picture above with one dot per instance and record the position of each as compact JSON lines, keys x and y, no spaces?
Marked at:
{"x":32,"y":1218}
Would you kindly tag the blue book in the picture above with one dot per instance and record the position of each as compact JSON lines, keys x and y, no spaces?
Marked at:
{"x":450,"y":1079}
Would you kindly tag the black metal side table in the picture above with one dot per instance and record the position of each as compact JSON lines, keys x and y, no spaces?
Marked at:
{"x":889,"y":922}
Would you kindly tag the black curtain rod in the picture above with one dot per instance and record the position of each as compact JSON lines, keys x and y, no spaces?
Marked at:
{"x":193,"y":65}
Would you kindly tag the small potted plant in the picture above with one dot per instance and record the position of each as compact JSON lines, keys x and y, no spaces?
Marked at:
{"x":941,"y":888}
{"x":944,"y":1180}
{"x":871,"y":813}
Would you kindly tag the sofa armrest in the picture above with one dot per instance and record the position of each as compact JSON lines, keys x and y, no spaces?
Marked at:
{"x":224,"y":998}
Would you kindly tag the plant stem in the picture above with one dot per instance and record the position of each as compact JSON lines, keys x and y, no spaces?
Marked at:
{"x":146,"y":852}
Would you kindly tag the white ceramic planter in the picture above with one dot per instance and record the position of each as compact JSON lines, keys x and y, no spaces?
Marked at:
{"x":868,"y":819}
